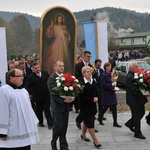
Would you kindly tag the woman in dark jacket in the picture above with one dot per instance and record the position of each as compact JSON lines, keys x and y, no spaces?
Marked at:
{"x":109,"y":98}
{"x":88,"y":101}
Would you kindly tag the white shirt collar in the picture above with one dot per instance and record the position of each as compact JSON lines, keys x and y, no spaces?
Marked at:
{"x":59,"y":74}
{"x":39,"y":74}
{"x":85,"y":63}
{"x":86,"y":81}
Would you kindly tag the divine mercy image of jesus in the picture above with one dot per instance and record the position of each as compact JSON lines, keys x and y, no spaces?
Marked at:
{"x":57,"y":45}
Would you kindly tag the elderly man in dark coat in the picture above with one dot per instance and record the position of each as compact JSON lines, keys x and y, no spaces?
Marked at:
{"x":135,"y":100}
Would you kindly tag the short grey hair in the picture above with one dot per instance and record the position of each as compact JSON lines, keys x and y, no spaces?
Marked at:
{"x":131,"y":64}
{"x":84,"y":69}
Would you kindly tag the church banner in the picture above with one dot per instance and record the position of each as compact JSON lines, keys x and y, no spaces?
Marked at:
{"x":58,"y":29}
{"x":96,"y":40}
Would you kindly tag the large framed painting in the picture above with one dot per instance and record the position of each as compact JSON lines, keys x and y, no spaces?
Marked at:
{"x":58,"y":28}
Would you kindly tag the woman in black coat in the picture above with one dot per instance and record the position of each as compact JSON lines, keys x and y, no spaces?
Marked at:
{"x":88,"y":108}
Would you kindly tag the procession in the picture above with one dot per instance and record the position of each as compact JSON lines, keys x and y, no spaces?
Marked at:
{"x":68,"y":96}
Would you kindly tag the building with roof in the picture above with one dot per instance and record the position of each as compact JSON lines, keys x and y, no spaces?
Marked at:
{"x":131,"y":41}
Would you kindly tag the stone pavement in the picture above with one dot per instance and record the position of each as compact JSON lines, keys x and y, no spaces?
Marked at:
{"x":111,"y":138}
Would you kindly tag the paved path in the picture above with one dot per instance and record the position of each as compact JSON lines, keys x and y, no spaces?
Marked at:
{"x":111,"y":138}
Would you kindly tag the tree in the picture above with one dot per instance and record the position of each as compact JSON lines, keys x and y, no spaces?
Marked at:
{"x":22,"y":35}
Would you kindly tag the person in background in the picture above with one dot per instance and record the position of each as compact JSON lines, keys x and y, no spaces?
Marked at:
{"x":37,"y":87}
{"x":18,"y":122}
{"x":97,"y":76}
{"x":109,"y":99}
{"x":88,"y":100}
{"x":136,"y":101}
{"x":60,"y":109}
{"x":28,"y":66}
{"x":22,"y":67}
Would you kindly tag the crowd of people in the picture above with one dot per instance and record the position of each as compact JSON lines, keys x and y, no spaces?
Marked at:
{"x":27,"y":94}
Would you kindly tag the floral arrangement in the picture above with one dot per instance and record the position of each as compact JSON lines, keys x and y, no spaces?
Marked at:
{"x":67,"y":86}
{"x":142,"y":81}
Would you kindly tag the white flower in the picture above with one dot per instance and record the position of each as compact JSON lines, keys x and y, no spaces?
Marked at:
{"x":76,"y":80}
{"x":78,"y":85}
{"x":63,"y":79}
{"x":65,"y":88}
{"x":73,"y":77}
{"x":136,"y":77}
{"x":70,"y":88}
{"x":57,"y":78}
{"x":135,"y":74}
{"x":58,"y":84}
{"x":141,"y":75}
{"x":57,"y":81}
{"x":141,"y":80}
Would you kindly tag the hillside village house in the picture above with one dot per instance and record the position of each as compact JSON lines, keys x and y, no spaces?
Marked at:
{"x":131,"y":41}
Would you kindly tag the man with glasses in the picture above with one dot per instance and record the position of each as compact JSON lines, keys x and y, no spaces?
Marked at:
{"x":18,"y":123}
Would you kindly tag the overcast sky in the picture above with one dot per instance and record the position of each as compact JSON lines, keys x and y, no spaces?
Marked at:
{"x":37,"y":7}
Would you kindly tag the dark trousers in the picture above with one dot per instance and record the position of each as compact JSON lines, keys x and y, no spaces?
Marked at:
{"x":79,"y":118}
{"x":137,"y":113}
{"x":105,"y":108}
{"x":60,"y":130}
{"x":44,"y":106}
{"x":17,"y":148}
{"x":75,"y":103}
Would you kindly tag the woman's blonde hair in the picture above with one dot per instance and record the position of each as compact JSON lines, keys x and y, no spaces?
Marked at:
{"x":84,"y":69}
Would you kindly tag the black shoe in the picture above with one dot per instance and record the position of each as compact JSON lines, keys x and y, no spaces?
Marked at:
{"x":50,"y":127}
{"x":139,"y":136}
{"x":97,"y":146}
{"x":130,"y":127}
{"x":147,"y":120}
{"x":96,"y":131}
{"x":41,"y":125}
{"x":85,"y":139}
{"x":117,"y":125}
{"x":78,"y":124}
{"x":101,"y":123}
{"x":103,"y":118}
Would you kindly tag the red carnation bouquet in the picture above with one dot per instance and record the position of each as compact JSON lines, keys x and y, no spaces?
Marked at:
{"x":142,"y":81}
{"x":67,"y":85}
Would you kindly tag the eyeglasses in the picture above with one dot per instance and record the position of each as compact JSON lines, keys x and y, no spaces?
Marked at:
{"x":19,"y":76}
{"x":89,"y":56}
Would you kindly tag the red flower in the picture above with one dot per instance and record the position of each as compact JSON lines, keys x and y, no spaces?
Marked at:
{"x":67,"y":84}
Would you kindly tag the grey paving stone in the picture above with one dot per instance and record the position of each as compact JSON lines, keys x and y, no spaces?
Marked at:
{"x":111,"y":138}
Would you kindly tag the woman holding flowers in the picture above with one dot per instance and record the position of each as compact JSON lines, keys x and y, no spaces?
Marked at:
{"x":88,"y":101}
{"x":136,"y":101}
